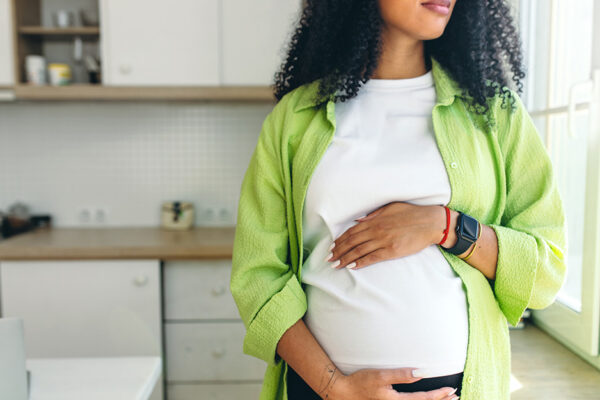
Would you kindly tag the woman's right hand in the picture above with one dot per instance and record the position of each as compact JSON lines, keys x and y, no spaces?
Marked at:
{"x":376,"y":384}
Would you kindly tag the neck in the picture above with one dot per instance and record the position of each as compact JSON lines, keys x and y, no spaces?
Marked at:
{"x":401,"y":57}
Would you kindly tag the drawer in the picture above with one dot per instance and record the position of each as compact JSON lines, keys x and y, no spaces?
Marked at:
{"x":85,"y":308}
{"x":198,"y":289}
{"x":224,"y":391}
{"x":209,"y":351}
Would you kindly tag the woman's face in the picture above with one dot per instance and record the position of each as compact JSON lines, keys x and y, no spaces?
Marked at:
{"x":419,"y":19}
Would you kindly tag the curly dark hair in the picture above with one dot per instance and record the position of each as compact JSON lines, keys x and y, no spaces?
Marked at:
{"x":339,"y":42}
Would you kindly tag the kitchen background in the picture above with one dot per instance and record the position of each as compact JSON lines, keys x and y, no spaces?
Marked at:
{"x":184,"y":89}
{"x":71,"y":158}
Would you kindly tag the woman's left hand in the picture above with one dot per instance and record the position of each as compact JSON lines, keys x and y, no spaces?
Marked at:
{"x":394,"y":230}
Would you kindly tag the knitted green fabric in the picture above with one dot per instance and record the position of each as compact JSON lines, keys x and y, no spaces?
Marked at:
{"x":500,"y":174}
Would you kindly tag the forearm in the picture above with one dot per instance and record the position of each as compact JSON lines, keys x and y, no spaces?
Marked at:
{"x":485,"y":256}
{"x":299,"y":348}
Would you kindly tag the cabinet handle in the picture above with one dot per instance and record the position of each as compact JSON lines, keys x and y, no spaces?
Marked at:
{"x":218,"y":291}
{"x":218,"y":353}
{"x":140,"y":280}
{"x":125,"y":69}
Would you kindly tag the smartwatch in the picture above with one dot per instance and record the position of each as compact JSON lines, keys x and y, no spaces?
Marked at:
{"x":467,"y":231}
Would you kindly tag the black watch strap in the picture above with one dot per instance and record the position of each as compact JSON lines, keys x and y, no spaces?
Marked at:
{"x":467,"y":231}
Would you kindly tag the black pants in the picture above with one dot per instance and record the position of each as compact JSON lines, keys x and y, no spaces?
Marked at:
{"x":297,"y":389}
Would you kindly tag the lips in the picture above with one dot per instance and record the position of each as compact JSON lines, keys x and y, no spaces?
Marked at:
{"x":443,"y":3}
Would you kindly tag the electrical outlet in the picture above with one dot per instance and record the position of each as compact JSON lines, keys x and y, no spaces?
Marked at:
{"x":84,"y":215}
{"x":224,"y":214}
{"x":209,"y":214}
{"x":100,"y":215}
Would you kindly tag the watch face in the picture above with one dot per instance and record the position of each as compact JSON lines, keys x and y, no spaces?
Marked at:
{"x":469,"y":227}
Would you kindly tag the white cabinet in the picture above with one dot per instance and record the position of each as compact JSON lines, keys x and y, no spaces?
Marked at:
{"x":209,"y":351}
{"x":204,"y":335}
{"x":198,"y":290}
{"x":157,"y":42}
{"x":194,"y":42}
{"x":6,"y":44}
{"x":254,"y":36}
{"x":214,"y":391}
{"x":86,"y":308}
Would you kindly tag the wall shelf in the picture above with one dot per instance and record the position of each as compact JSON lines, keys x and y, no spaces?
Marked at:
{"x":30,"y":36}
{"x":100,"y":92}
{"x":49,"y":31}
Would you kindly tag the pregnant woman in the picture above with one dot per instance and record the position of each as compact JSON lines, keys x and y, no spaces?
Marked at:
{"x":399,"y":209}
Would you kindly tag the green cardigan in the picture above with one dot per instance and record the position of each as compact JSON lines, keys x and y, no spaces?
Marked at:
{"x":500,"y":174}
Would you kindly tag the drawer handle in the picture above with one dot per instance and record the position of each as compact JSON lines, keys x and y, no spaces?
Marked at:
{"x":218,"y":353}
{"x":218,"y":291}
{"x":140,"y":280}
{"x":125,"y":69}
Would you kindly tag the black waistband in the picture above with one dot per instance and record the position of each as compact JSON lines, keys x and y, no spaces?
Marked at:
{"x":297,"y":389}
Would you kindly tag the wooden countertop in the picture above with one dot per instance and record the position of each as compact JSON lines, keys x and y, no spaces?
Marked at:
{"x":119,"y":243}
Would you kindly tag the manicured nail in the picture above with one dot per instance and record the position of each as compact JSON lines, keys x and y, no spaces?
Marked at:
{"x":455,"y":398}
{"x":452,"y":392}
{"x":332,"y":246}
{"x":351,"y":265}
{"x":335,"y":264}
{"x":417,"y":373}
{"x":328,"y":256}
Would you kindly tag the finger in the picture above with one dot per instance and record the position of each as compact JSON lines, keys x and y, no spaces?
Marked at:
{"x":437,"y":394}
{"x":369,"y":215}
{"x":352,"y":257}
{"x":394,"y":395}
{"x":351,"y":231}
{"x":391,"y":376}
{"x":380,"y":254}
{"x":352,"y":240}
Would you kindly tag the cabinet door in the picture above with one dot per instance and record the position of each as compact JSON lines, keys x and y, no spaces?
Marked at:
{"x":213,"y":391}
{"x":6,"y":44}
{"x":157,"y":42}
{"x":254,"y":36}
{"x":85,"y":308}
{"x":198,"y":289}
{"x":209,"y":352}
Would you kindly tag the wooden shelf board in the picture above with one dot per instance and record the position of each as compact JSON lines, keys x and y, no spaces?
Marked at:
{"x":100,"y":92}
{"x":44,"y":30}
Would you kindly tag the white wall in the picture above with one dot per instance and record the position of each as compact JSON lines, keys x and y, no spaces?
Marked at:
{"x":126,"y":157}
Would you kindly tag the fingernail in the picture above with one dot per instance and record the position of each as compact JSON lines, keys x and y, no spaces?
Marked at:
{"x":328,"y":256}
{"x":335,"y":264}
{"x":332,"y":246}
{"x":417,"y":373}
{"x":452,"y":392}
{"x":351,"y":265}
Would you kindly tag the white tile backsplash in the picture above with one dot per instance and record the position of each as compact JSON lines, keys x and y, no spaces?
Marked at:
{"x":126,"y":158}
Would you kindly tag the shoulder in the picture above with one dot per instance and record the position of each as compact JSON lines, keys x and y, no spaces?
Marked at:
{"x":510,"y":116}
{"x":294,"y":100}
{"x":292,"y":113}
{"x":517,"y":135}
{"x":283,"y":122}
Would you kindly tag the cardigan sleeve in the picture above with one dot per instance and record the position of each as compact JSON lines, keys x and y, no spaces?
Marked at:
{"x":267,"y":292}
{"x":531,"y":264}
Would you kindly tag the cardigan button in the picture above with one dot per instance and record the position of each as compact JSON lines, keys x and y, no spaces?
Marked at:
{"x":470,"y":379}
{"x":453,"y":164}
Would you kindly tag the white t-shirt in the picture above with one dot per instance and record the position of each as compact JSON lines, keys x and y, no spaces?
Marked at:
{"x":405,"y":312}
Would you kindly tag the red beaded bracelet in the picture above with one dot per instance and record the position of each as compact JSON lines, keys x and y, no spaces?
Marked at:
{"x":447,"y":226}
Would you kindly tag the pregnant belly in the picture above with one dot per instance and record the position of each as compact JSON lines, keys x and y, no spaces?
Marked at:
{"x":405,"y":312}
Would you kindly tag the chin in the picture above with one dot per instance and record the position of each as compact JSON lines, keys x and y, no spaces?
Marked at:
{"x":429,"y":34}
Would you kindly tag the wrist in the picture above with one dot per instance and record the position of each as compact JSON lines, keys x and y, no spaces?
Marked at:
{"x":439,"y":224}
{"x":337,"y":387}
